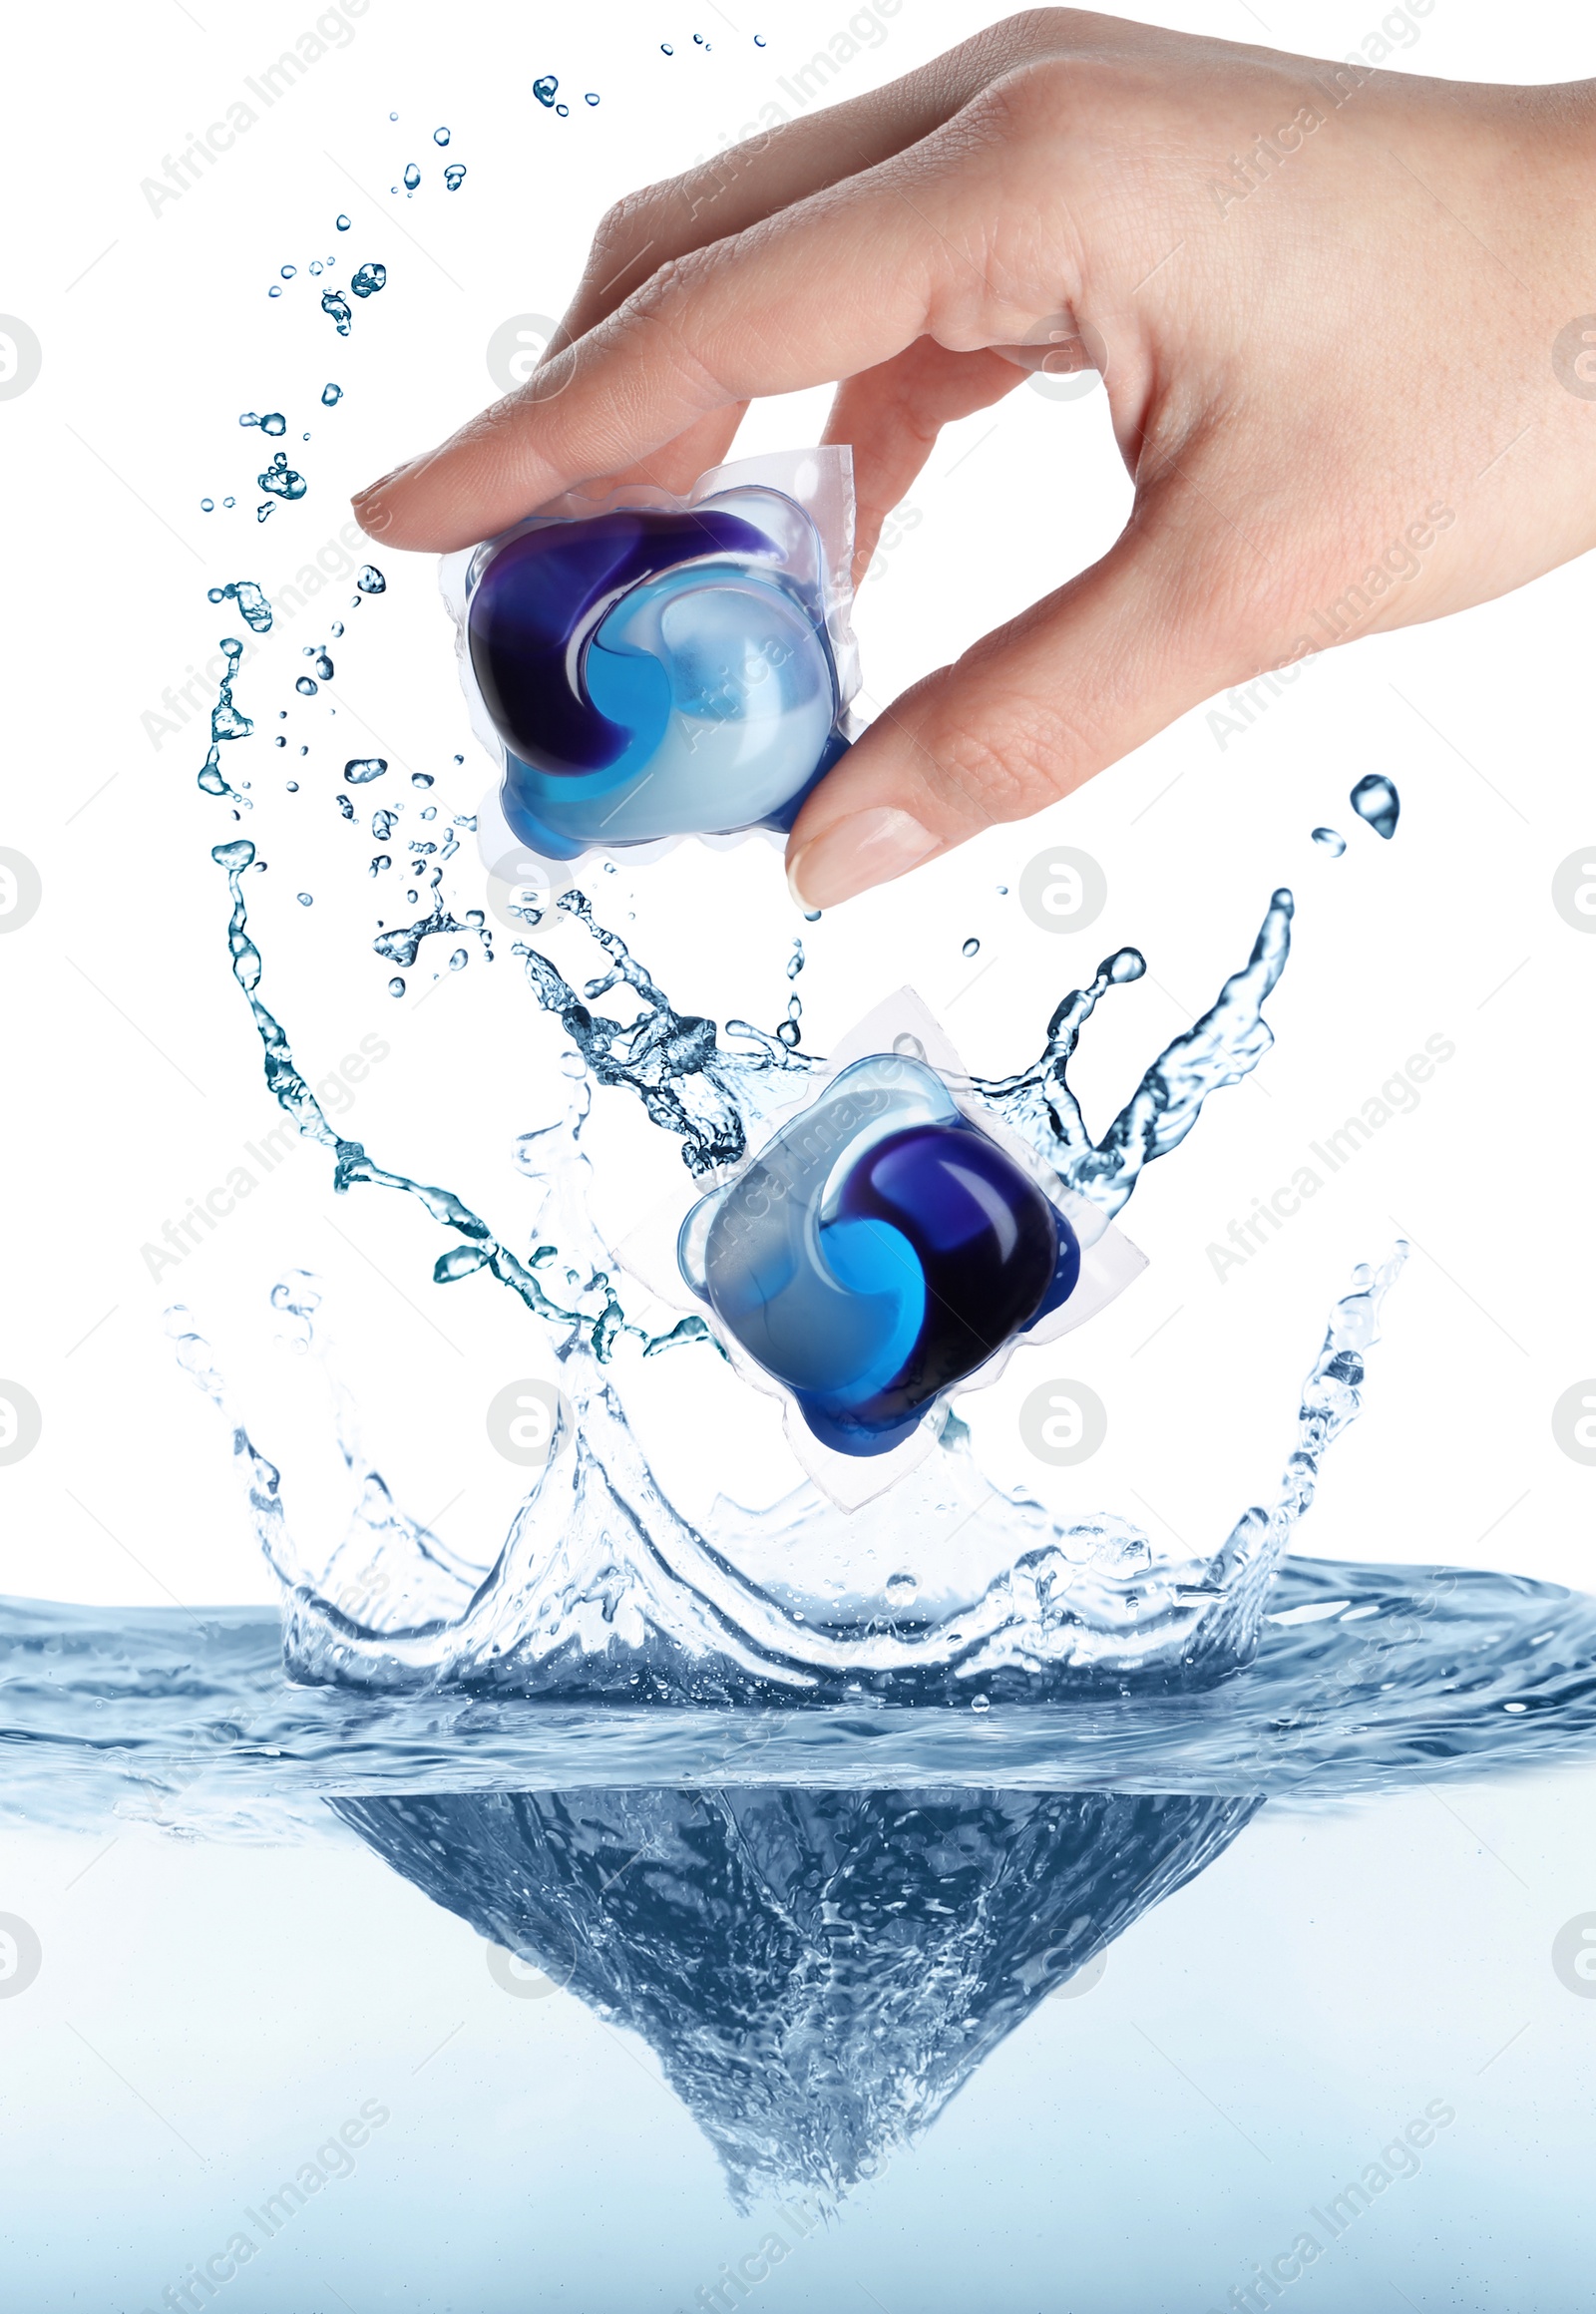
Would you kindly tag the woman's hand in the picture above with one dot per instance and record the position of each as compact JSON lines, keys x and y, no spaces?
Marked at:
{"x":1333,"y":306}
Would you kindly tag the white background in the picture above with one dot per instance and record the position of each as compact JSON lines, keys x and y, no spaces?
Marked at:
{"x":132,"y":1073}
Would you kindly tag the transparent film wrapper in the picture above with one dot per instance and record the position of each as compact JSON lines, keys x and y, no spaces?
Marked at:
{"x":891,"y":1244}
{"x":642,"y":667}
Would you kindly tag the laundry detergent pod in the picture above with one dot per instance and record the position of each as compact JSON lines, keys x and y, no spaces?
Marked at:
{"x":648,"y":670}
{"x":877,"y":1252}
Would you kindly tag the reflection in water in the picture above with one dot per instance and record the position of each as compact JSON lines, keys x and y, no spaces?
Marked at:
{"x":817,"y":1970}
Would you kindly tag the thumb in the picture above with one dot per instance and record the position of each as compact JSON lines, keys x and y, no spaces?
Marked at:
{"x":1036,"y":709}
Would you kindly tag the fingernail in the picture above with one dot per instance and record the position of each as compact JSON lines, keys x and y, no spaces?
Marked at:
{"x":870,"y":848}
{"x":362,"y":499}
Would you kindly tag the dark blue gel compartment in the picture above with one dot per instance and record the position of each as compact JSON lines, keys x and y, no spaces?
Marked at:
{"x":877,"y":1252}
{"x":655,"y":672}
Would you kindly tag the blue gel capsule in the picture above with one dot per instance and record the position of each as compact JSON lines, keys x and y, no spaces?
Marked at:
{"x":877,"y":1252}
{"x":656,"y":672}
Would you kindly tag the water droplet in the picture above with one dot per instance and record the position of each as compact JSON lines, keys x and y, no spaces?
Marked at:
{"x":336,"y":628}
{"x":367,"y":279}
{"x":342,"y":224}
{"x":393,"y":115}
{"x":440,"y":135}
{"x":207,"y":506}
{"x":361,"y":769}
{"x":306,"y":686}
{"x":459,"y":961}
{"x":274,"y":290}
{"x":980,"y":1702}
{"x":454,"y":175}
{"x":279,"y":741}
{"x":590,"y":98}
{"x":1376,"y":800}
{"x":412,"y":176}
{"x":543,"y":89}
{"x":306,"y":899}
{"x":331,"y":394}
{"x":665,"y":49}
{"x":345,"y":805}
{"x":382,"y":861}
{"x":382,"y":824}
{"x":564,"y":111}
{"x":972,"y":948}
{"x":273,"y":423}
{"x":1328,"y":841}
{"x":281,"y":479}
{"x":759,"y":40}
{"x":396,"y":986}
{"x":370,"y":581}
{"x":292,"y":785}
{"x":334,"y":301}
{"x":288,"y":272}
{"x":421,"y":779}
{"x":315,"y":268}
{"x":264,"y":508}
{"x":320,"y":661}
{"x":227,"y":501}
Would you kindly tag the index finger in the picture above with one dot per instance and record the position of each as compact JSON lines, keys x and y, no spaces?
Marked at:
{"x":834,"y":284}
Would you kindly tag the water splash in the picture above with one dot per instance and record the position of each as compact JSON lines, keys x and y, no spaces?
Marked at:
{"x":336,"y":304}
{"x":253,"y":605}
{"x":594,"y":1320}
{"x":1376,"y":800}
{"x":226,"y":723}
{"x":280,"y":481}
